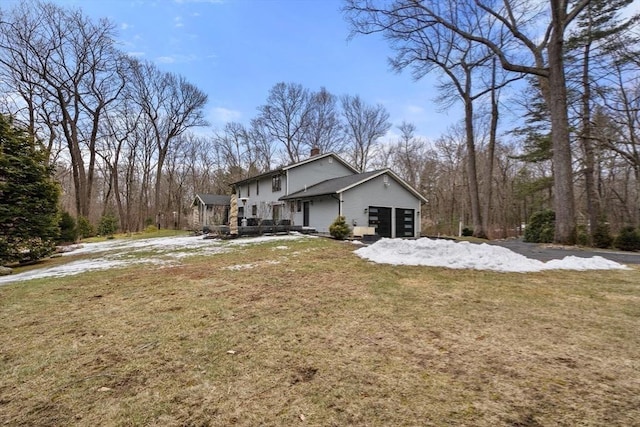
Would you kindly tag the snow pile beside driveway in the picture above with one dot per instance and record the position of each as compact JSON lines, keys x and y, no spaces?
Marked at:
{"x":465,"y":255}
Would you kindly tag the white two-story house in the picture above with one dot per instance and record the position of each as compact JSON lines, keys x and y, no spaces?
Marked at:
{"x":313,"y":192}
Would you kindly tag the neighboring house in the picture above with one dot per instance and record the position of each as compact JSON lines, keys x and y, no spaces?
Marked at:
{"x":313,"y":192}
{"x":209,"y":209}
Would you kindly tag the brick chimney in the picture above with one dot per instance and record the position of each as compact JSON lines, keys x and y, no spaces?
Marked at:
{"x":315,"y":151}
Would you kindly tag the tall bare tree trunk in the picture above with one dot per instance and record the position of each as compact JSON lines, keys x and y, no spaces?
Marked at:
{"x":472,"y":170}
{"x":586,"y":139}
{"x":491,"y":149}
{"x":556,"y":94}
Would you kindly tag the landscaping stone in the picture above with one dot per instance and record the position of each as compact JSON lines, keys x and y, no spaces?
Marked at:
{"x":5,"y":271}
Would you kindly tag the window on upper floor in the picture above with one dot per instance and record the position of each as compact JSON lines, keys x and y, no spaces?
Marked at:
{"x":276,"y":184}
{"x":257,"y":187}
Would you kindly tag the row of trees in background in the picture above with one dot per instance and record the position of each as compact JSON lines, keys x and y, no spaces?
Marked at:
{"x":121,"y":133}
{"x":572,"y":52}
{"x":99,"y":115}
{"x":294,"y":120}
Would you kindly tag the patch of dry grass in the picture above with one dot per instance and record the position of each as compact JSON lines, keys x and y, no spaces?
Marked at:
{"x":312,"y":335}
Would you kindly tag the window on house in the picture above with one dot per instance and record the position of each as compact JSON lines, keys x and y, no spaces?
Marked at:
{"x":299,"y":206}
{"x":248,"y":189}
{"x":239,"y":193}
{"x":254,"y":210}
{"x":276,"y":184}
{"x":258,"y":188}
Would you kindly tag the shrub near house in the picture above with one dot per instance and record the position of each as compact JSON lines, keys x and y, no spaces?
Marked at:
{"x":339,"y":229}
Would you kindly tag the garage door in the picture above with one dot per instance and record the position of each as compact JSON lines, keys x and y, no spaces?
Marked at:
{"x":380,"y":218}
{"x":405,"y":222}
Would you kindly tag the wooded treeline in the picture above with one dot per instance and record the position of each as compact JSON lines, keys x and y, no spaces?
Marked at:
{"x":130,"y":139}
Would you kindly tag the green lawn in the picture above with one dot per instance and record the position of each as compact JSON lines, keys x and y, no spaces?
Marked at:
{"x":307,"y":333}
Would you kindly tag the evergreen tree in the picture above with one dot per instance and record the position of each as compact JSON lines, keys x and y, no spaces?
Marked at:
{"x":68,"y":228}
{"x":108,"y":225}
{"x":28,"y":198}
{"x":598,"y":41}
{"x":339,"y":229}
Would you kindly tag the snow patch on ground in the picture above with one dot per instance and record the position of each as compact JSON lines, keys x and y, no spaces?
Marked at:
{"x":126,"y":252}
{"x":427,"y":252}
{"x":239,"y":267}
{"x":465,"y":255}
{"x":250,"y":266}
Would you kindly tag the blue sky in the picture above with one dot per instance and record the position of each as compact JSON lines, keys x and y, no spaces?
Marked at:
{"x":236,"y":50}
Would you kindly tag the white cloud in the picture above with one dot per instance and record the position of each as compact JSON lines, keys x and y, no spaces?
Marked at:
{"x":166,"y":59}
{"x":224,"y":115}
{"x":137,"y":54}
{"x":199,"y":1}
{"x":176,"y":59}
{"x":389,"y":139}
{"x":414,"y":109}
{"x":178,"y":22}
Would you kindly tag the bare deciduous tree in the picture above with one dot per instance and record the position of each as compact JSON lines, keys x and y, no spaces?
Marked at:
{"x":263,"y":145}
{"x":66,"y":63}
{"x":286,"y":116}
{"x":325,"y":128}
{"x":595,"y":48}
{"x":506,"y":28}
{"x":171,"y":105}
{"x":364,"y":126}
{"x":237,"y":151}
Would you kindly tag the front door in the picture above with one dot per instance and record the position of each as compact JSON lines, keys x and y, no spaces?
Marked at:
{"x":380,"y":218}
{"x":305,"y":214}
{"x":405,"y":222}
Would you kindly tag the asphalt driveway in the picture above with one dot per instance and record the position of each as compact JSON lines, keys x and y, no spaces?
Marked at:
{"x":545,"y":252}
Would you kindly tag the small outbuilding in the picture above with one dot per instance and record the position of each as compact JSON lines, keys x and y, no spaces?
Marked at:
{"x":210,"y":209}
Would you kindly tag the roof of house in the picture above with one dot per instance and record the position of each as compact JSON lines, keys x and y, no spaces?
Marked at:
{"x":213,"y":199}
{"x":344,"y":183}
{"x":295,"y":165}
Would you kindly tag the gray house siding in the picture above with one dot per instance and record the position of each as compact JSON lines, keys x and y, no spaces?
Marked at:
{"x":262,"y":197}
{"x":322,"y":213}
{"x":334,"y":188}
{"x":376,"y":193}
{"x":292,"y":179}
{"x":314,"y":172}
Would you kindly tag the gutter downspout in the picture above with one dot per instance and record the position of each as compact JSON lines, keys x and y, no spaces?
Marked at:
{"x":339,"y":199}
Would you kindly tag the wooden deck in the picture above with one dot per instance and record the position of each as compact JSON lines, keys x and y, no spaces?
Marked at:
{"x":222,"y":231}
